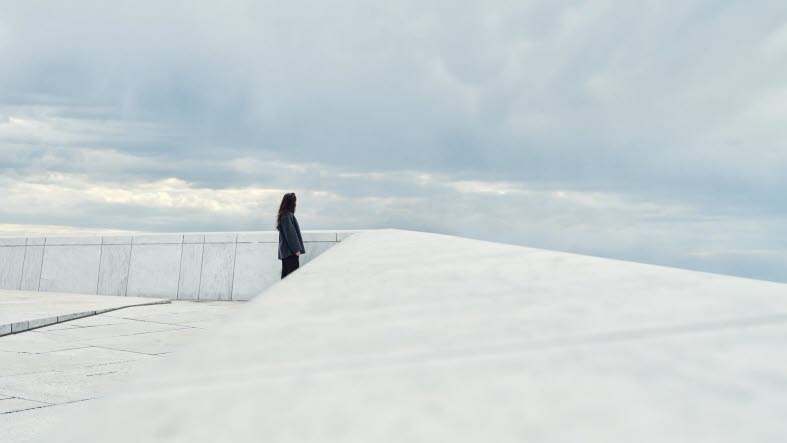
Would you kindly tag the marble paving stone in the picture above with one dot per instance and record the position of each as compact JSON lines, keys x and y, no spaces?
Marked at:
{"x":329,"y":236}
{"x":24,"y":363}
{"x":102,"y":368}
{"x":176,"y":307}
{"x":23,"y":426}
{"x":154,"y":270}
{"x":314,"y":249}
{"x":73,"y":379}
{"x":96,"y":354}
{"x":41,"y":322}
{"x":74,"y":316}
{"x":11,"y":260}
{"x":36,"y":241}
{"x":20,"y":326}
{"x":115,"y":330}
{"x":190,"y":270}
{"x":13,"y":241}
{"x":175,"y":318}
{"x":93,"y":320}
{"x":205,"y":324}
{"x":220,"y":237}
{"x":218,"y":260}
{"x":258,"y":237}
{"x":186,"y":310}
{"x":61,"y":386}
{"x":5,"y":329}
{"x":73,"y":240}
{"x":256,"y":267}
{"x":30,"y":309}
{"x":193,"y":238}
{"x":475,"y":341}
{"x":20,"y":364}
{"x":37,"y":342}
{"x":113,"y":270}
{"x":70,"y":269}
{"x":151,"y":344}
{"x":217,"y":304}
{"x":17,"y":404}
{"x":59,"y":326}
{"x":31,"y":272}
{"x":117,"y":239}
{"x":51,"y":277}
{"x":341,"y":235}
{"x":153,"y":239}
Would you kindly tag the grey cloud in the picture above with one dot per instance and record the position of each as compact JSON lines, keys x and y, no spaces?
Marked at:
{"x":676,"y":104}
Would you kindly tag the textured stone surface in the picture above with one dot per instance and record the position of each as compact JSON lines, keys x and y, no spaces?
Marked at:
{"x":83,"y":240}
{"x":61,"y":368}
{"x":17,"y":404}
{"x":70,"y":268}
{"x":190,"y":271}
{"x":31,"y":271}
{"x":158,"y":265}
{"x":11,"y":260}
{"x":154,"y":270}
{"x":113,"y":270}
{"x":314,"y":250}
{"x":473,"y":341}
{"x":28,"y":310}
{"x":256,"y":268}
{"x":218,"y":261}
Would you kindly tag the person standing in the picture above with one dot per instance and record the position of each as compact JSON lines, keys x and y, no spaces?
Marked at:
{"x":290,"y":240}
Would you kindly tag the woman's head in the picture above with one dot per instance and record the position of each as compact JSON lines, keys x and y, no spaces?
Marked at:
{"x":287,"y":205}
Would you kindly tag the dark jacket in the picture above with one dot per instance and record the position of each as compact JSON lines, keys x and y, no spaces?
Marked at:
{"x":290,"y":240}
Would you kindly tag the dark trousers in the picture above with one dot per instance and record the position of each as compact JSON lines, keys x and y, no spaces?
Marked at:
{"x":289,"y":264}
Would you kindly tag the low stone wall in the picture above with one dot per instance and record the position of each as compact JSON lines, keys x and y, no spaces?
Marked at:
{"x":191,"y":266}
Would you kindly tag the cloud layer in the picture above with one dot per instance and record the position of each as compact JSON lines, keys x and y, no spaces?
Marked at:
{"x":650,"y":131}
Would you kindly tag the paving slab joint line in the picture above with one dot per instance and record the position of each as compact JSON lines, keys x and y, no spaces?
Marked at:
{"x":47,"y":405}
{"x":29,"y":325}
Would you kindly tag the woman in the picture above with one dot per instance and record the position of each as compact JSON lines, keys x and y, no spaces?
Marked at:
{"x":290,"y":241}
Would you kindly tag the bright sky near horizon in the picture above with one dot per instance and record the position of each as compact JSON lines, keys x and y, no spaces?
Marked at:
{"x":653,"y":131}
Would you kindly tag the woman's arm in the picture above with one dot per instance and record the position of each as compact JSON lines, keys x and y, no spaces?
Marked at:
{"x":290,"y":236}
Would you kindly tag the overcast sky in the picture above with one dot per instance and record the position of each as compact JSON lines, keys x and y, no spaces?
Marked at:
{"x":653,"y":131}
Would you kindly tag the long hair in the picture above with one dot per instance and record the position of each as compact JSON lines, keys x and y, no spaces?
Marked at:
{"x":287,"y":205}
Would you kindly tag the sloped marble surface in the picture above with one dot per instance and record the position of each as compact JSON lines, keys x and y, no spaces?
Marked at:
{"x":475,"y":341}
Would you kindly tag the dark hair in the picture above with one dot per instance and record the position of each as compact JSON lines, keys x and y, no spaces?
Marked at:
{"x":287,"y":205}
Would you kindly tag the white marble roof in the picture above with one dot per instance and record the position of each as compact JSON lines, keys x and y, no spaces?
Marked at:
{"x":411,"y":337}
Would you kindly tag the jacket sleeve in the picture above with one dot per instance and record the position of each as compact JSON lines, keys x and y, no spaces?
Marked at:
{"x":290,"y":236}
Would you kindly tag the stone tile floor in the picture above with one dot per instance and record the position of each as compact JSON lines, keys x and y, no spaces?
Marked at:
{"x":52,"y":371}
{"x":24,"y":310}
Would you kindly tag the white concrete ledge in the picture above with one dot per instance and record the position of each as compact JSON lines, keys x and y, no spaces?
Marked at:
{"x":193,"y":266}
{"x":22,"y":311}
{"x":13,"y":241}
